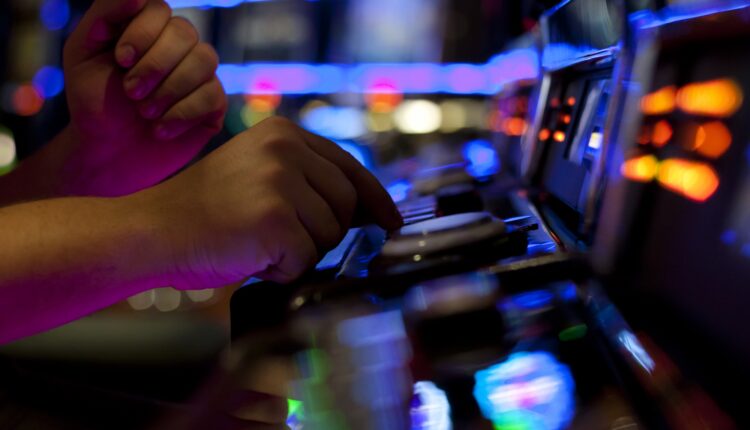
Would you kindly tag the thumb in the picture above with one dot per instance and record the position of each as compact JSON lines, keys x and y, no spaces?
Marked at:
{"x":99,"y":28}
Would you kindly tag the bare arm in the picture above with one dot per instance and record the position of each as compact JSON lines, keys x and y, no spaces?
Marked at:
{"x":62,"y":259}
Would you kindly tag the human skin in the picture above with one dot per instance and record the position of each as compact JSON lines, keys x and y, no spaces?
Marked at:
{"x":88,"y":221}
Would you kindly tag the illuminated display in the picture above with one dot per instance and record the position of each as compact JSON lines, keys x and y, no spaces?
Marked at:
{"x":530,"y":390}
{"x":430,"y":409}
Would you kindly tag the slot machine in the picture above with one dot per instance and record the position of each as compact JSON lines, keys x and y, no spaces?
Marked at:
{"x":475,"y":319}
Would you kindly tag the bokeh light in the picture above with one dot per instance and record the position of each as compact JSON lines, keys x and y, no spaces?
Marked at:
{"x":55,"y":14}
{"x":7,"y":151}
{"x":641,"y":168}
{"x":712,"y":139}
{"x":662,"y":132}
{"x":481,"y":157}
{"x":49,"y":81}
{"x":418,"y":117}
{"x":27,"y":100}
{"x":720,"y":98}
{"x":694,"y":180}
{"x":530,"y":390}
{"x":659,"y":102}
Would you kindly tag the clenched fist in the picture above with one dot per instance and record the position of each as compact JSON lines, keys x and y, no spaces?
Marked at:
{"x":143,"y":96}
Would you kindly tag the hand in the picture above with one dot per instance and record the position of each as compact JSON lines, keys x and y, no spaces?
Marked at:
{"x":267,"y":204}
{"x":143,"y":96}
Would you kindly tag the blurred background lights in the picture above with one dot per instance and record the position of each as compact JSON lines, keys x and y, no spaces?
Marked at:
{"x":27,"y":100}
{"x":49,"y":81}
{"x":720,"y":97}
{"x":712,"y":139}
{"x":659,"y":102}
{"x":167,"y":299}
{"x":662,"y":133}
{"x":430,"y":409}
{"x":418,"y":117}
{"x":335,"y":122}
{"x":55,"y":14}
{"x":481,"y":157}
{"x":399,"y":190}
{"x":7,"y":151}
{"x":640,"y":169}
{"x":358,"y":152}
{"x":695,"y":180}
{"x":530,"y":390}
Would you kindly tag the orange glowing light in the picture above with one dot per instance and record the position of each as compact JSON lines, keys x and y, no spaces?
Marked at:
{"x":659,"y":102}
{"x":694,"y":180}
{"x":383,"y":97}
{"x":27,"y":100}
{"x":559,"y":136}
{"x":720,"y":98}
{"x":571,"y":101}
{"x":712,"y":139}
{"x":263,"y":102}
{"x":515,"y":126}
{"x":640,"y":169}
{"x":661,"y":134}
{"x":566,"y":119}
{"x":544,"y":134}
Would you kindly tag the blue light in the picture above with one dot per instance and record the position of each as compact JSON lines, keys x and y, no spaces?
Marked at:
{"x":358,"y":152}
{"x":729,"y":237}
{"x":430,"y":409}
{"x":745,"y":250}
{"x":55,"y":14}
{"x":630,"y":342}
{"x":335,"y":122}
{"x":407,"y":78}
{"x":530,"y":390}
{"x":533,"y":299}
{"x":481,"y":157}
{"x":399,"y":190}
{"x":49,"y":80}
{"x":177,"y":4}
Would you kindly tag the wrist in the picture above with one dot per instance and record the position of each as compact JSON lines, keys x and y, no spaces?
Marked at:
{"x":151,"y":226}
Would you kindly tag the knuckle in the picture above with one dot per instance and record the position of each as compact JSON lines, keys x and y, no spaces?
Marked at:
{"x":183,"y":29}
{"x":162,"y":6}
{"x":207,"y":56}
{"x":278,"y":121}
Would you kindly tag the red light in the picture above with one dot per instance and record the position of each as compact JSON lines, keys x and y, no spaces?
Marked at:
{"x":27,"y":100}
{"x":544,"y":134}
{"x":566,"y":119}
{"x":644,"y":137}
{"x":571,"y":101}
{"x":712,"y":139}
{"x":694,"y":180}
{"x":383,"y":97}
{"x":662,"y":133}
{"x":721,"y":98}
{"x":659,"y":102}
{"x":640,"y":169}
{"x":559,"y":136}
{"x":554,"y":103}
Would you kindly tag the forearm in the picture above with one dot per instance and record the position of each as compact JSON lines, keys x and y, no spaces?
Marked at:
{"x":65,"y":258}
{"x":45,"y":174}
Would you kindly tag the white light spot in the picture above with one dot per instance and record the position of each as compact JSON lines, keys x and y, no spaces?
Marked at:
{"x":418,"y":117}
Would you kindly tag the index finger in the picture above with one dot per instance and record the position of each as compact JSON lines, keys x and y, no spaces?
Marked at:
{"x":371,"y":196}
{"x":99,"y":27}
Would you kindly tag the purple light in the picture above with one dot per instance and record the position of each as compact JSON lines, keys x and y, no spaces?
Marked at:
{"x":466,"y":78}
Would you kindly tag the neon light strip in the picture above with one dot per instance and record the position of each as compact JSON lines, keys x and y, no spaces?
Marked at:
{"x":407,"y":78}
{"x":177,"y":4}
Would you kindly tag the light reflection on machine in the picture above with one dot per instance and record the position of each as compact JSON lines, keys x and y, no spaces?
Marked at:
{"x":429,"y":408}
{"x":530,"y":390}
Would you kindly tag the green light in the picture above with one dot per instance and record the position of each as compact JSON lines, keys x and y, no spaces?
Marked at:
{"x":573,"y":333}
{"x":295,"y":407}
